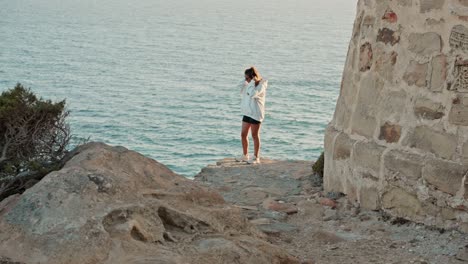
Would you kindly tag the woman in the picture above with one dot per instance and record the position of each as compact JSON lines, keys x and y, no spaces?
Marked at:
{"x":253,"y":92}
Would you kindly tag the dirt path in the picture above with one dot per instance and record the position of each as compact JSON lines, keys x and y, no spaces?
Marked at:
{"x":286,"y":201}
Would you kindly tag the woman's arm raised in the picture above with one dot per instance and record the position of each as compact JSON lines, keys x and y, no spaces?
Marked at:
{"x":242,"y":85}
{"x":259,"y":91}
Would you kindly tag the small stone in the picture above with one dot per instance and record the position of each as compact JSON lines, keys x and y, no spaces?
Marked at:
{"x":328,"y":202}
{"x":427,"y":109}
{"x":416,"y":74}
{"x":390,"y":16}
{"x":287,"y":208}
{"x":330,"y":214}
{"x":390,"y":132}
{"x":365,"y":57}
{"x":388,"y":36}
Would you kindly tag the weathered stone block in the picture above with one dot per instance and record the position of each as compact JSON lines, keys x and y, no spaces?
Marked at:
{"x":465,"y":153}
{"x":363,"y":124}
{"x":368,"y":21}
{"x":367,"y":155}
{"x":330,"y":134}
{"x":385,"y":63}
{"x":402,"y":203}
{"x":343,"y":146}
{"x":428,"y":109}
{"x":388,"y":36}
{"x":439,"y":73}
{"x":425,"y":44}
{"x":390,"y":104}
{"x":416,"y":74}
{"x":369,"y":198}
{"x":459,"y":38}
{"x":403,"y":165}
{"x":460,"y":74}
{"x":444,"y":175}
{"x":448,"y":214}
{"x":350,"y":190}
{"x":390,"y":132}
{"x":363,"y":121}
{"x":365,"y":57}
{"x":459,"y":115}
{"x":428,"y":5}
{"x":425,"y":138}
{"x":357,"y":27}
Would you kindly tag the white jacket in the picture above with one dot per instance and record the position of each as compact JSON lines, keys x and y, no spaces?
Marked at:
{"x":253,"y":99}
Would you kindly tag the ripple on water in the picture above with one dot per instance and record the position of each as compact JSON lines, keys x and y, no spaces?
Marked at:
{"x":159,"y":76}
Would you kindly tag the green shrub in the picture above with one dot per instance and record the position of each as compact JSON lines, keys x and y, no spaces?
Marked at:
{"x":318,"y":165}
{"x":34,"y":134}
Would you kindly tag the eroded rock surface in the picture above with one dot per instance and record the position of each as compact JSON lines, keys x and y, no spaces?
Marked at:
{"x":112,"y":205}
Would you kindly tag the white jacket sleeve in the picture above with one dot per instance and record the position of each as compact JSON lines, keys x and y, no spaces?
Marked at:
{"x":242,"y":85}
{"x":259,"y":91}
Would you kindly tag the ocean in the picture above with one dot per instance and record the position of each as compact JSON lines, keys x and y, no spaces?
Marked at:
{"x":159,"y":77}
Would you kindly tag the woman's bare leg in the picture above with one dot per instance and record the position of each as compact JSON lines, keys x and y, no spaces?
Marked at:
{"x":244,"y":137}
{"x":256,"y":138}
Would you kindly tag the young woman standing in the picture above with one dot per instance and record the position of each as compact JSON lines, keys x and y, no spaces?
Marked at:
{"x":253,"y":92}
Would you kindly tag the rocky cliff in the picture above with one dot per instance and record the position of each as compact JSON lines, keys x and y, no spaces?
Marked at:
{"x":112,"y":205}
{"x":398,"y":140}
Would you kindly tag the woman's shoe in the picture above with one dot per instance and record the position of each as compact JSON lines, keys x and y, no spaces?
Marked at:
{"x":244,"y":158}
{"x":254,"y":160}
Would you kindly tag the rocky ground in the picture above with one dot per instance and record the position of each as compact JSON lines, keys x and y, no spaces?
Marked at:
{"x":285,"y":200}
{"x":112,"y":205}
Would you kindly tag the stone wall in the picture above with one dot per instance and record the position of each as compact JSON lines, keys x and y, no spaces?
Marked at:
{"x":398,"y":140}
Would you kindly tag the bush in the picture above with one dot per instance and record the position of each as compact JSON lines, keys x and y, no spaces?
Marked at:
{"x":318,"y":165}
{"x":34,"y":134}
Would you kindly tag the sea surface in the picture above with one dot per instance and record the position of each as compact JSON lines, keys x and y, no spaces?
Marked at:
{"x":159,"y":76}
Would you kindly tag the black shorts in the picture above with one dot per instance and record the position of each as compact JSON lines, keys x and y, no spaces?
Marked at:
{"x":250,"y":120}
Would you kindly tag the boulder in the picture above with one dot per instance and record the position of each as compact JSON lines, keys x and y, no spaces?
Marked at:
{"x":112,"y":205}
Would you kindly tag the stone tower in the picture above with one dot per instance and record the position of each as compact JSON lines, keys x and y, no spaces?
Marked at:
{"x":398,"y":140}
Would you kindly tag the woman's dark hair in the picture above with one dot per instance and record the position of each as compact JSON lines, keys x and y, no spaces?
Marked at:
{"x":253,"y":72}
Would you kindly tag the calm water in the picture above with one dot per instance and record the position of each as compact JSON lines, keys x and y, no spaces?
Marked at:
{"x":159,"y":76}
